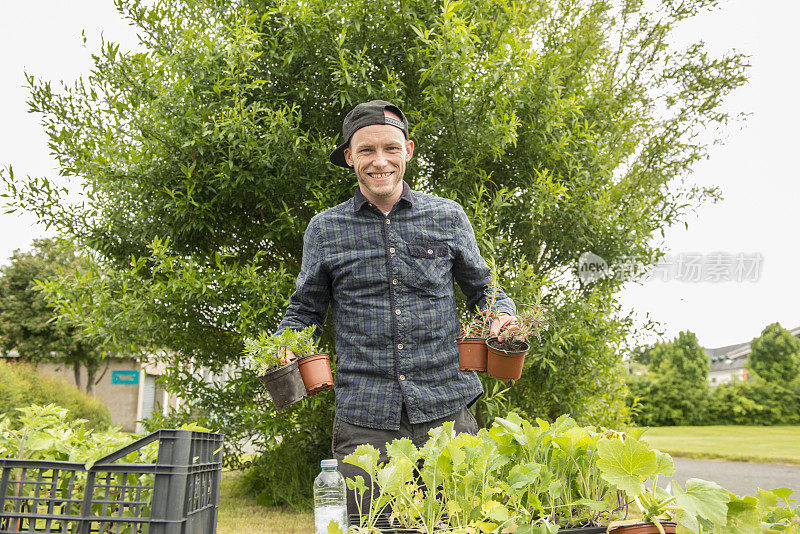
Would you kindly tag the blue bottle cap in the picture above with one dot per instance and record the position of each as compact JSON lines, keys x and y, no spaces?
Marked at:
{"x":329,"y":464}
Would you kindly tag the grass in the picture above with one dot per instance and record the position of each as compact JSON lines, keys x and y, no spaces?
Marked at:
{"x":240,"y":514}
{"x":776,"y":444}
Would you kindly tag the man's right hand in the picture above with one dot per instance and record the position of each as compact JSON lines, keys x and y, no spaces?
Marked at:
{"x":286,"y":355}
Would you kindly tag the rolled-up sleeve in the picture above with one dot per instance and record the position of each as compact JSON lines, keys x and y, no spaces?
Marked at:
{"x":308,"y":304}
{"x":470,"y":269}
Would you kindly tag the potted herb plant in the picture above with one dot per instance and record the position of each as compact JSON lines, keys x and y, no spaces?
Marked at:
{"x":506,"y":357}
{"x":475,"y":329}
{"x":315,"y":367}
{"x":472,"y":342}
{"x":632,"y":467}
{"x":282,"y":380}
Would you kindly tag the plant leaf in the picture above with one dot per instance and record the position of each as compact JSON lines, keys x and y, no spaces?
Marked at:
{"x":356,"y":484}
{"x":665,"y":464}
{"x":784,"y":494}
{"x":742,"y":517}
{"x":495,"y":511}
{"x":403,"y":448}
{"x":704,"y":499}
{"x":366,"y":457}
{"x":689,"y":521}
{"x":596,"y":506}
{"x":626,"y":464}
{"x":523,"y":475}
{"x":334,"y":527}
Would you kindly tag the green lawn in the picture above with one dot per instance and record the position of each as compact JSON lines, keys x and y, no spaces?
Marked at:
{"x":239,"y":513}
{"x":744,"y":443}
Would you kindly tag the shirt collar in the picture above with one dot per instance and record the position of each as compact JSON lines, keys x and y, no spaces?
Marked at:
{"x":359,"y":199}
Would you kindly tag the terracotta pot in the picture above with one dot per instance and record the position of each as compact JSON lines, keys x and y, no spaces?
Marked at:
{"x":316,"y":372}
{"x":285,"y":385}
{"x":471,"y":354}
{"x":504,"y":364}
{"x":645,"y":528}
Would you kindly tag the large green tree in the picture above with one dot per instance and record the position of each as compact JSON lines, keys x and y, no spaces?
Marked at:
{"x":675,"y":389}
{"x":28,"y":322}
{"x":562,"y":128}
{"x":775,"y":355}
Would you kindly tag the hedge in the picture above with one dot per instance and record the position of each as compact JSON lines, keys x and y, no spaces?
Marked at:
{"x":22,"y":385}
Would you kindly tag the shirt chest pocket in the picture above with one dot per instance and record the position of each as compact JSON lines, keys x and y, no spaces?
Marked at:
{"x":429,"y":265}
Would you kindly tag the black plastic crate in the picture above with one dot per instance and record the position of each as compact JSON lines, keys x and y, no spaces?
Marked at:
{"x":178,"y":494}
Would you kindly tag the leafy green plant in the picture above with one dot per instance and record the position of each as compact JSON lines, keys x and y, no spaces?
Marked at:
{"x":47,"y":433}
{"x":531,"y":320}
{"x":513,"y":476}
{"x":634,"y":468}
{"x":769,"y":512}
{"x":776,"y":512}
{"x":569,"y":490}
{"x":535,"y":478}
{"x":387,"y":482}
{"x":267,"y":352}
{"x":477,"y":323}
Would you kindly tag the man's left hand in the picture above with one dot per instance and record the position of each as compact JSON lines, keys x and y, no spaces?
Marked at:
{"x":499,"y":322}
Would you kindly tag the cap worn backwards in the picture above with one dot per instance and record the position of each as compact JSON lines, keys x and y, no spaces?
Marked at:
{"x":367,"y":114}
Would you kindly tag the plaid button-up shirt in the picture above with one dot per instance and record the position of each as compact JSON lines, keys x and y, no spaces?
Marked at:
{"x":389,"y":282}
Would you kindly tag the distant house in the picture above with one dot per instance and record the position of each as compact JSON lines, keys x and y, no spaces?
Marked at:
{"x":729,"y":363}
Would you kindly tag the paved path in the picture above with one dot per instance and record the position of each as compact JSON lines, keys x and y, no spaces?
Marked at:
{"x":742,"y":478}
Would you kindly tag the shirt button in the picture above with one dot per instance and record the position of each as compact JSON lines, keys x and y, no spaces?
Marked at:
{"x":394,"y":282}
{"x":400,"y":346}
{"x":388,"y":221}
{"x":430,"y":251}
{"x":402,"y":377}
{"x":397,"y":312}
{"x":391,"y":250}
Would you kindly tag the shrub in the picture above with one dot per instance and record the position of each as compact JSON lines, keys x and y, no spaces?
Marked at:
{"x":668,"y":400}
{"x":754,"y":403}
{"x":284,"y":475}
{"x":22,"y":385}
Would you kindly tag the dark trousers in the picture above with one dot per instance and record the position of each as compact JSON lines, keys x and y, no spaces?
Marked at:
{"x":347,"y":437}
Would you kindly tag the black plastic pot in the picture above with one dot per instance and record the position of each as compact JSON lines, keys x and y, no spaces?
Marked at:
{"x":285,"y":385}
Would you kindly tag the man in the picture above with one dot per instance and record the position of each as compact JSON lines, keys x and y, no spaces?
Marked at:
{"x":385,"y":261}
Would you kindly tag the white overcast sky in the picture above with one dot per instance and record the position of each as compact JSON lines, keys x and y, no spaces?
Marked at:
{"x":755,"y":169}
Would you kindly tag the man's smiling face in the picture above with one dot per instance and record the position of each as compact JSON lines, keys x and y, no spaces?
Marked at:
{"x":378,"y":153}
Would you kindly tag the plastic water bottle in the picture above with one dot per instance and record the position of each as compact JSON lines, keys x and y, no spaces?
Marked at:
{"x":330,"y":498}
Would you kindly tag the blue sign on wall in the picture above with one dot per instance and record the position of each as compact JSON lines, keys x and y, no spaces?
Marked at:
{"x":124,"y":377}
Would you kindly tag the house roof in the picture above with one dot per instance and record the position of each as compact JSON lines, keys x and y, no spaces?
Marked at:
{"x":733,"y":357}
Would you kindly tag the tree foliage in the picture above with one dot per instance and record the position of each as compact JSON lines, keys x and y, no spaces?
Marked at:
{"x":675,"y":389}
{"x":775,"y":355}
{"x":561,"y":127}
{"x":28,"y":322}
{"x":683,"y":357}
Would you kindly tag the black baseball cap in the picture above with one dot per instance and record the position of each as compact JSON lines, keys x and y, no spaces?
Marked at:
{"x":366,"y":114}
